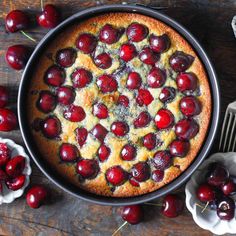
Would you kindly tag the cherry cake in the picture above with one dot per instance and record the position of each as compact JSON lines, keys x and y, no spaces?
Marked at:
{"x":119,"y":104}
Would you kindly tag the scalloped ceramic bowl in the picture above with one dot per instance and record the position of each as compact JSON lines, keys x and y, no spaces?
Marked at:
{"x":7,"y":195}
{"x":208,"y":219}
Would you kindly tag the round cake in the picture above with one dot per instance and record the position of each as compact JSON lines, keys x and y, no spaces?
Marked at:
{"x":119,"y":104}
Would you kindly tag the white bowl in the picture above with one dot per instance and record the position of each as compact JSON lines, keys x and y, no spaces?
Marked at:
{"x":208,"y":219}
{"x":8,"y":195}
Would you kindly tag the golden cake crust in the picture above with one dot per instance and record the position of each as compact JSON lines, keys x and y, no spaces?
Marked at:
{"x":86,"y":98}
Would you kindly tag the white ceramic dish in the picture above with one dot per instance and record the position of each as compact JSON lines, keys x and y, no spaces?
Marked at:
{"x":7,"y":195}
{"x":208,"y":219}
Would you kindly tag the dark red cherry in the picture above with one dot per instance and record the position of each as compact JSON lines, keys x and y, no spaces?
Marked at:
{"x":17,"y":56}
{"x":206,"y":193}
{"x":103,"y":152}
{"x":49,"y":17}
{"x":162,"y":160}
{"x":167,"y":94}
{"x":127,"y":52}
{"x":5,"y":154}
{"x":86,"y":43}
{"x":186,"y":81}
{"x":66,"y":57}
{"x":36,"y":196}
{"x":87,"y":168}
{"x":142,"y":120}
{"x":81,"y":78}
{"x":226,"y":208}
{"x":186,"y":128}
{"x":128,"y":152}
{"x":134,"y":80}
{"x":115,"y":175}
{"x":132,"y":214}
{"x":150,"y":141}
{"x":100,"y":110}
{"x":107,"y":83}
{"x":103,"y":61}
{"x":148,"y":57}
{"x":180,"y":61}
{"x":16,"y":20}
{"x":74,"y":113}
{"x":68,"y":152}
{"x":160,"y":43}
{"x":119,"y":128}
{"x":123,"y":100}
{"x":65,"y":95}
{"x":8,"y":120}
{"x":133,"y":182}
{"x":172,"y":206}
{"x":15,"y":166}
{"x":108,"y":34}
{"x":51,"y":127}
{"x":144,"y":97}
{"x":141,"y":171}
{"x":190,"y":106}
{"x":164,"y":119}
{"x":15,"y":183}
{"x":55,"y":76}
{"x":46,"y":101}
{"x":156,"y":78}
{"x":3,"y":177}
{"x":136,"y":32}
{"x":99,"y":132}
{"x":4,"y":96}
{"x":229,"y":187}
{"x":158,"y":175}
{"x":179,"y":148}
{"x":81,"y":136}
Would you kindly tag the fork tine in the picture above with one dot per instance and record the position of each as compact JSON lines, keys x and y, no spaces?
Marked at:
{"x":227,"y":130}
{"x":223,"y":128}
{"x":231,"y":134}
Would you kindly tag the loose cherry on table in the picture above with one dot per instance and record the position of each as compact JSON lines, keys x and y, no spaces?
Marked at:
{"x":4,"y":154}
{"x":115,"y":175}
{"x":132,"y":214}
{"x":8,"y":120}
{"x":68,"y":152}
{"x":15,"y":166}
{"x":4,"y":96}
{"x":87,"y":168}
{"x":15,"y":183}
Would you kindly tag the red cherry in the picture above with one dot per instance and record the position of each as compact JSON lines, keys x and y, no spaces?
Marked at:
{"x":15,"y":183}
{"x":144,"y":97}
{"x":86,"y":43}
{"x":99,"y":132}
{"x":150,"y":141}
{"x":49,"y":17}
{"x":173,"y":206}
{"x":81,"y":136}
{"x":162,"y":160}
{"x":15,"y":166}
{"x":103,"y":61}
{"x":190,"y":106}
{"x":8,"y":120}
{"x":87,"y":168}
{"x":17,"y":56}
{"x":16,"y":20}
{"x":3,"y":177}
{"x":123,"y":100}
{"x":225,"y":208}
{"x":127,"y":52}
{"x":115,"y":175}
{"x":103,"y":152}
{"x":142,"y":120}
{"x":81,"y":78}
{"x":160,"y":43}
{"x":133,"y":182}
{"x":100,"y":110}
{"x":46,"y":101}
{"x":164,"y":119}
{"x":179,"y":148}
{"x":4,"y":96}
{"x":167,"y":94}
{"x":107,"y":83}
{"x":128,"y":152}
{"x":132,"y":214}
{"x":5,"y":154}
{"x":156,"y":78}
{"x":36,"y":196}
{"x":74,"y":113}
{"x":141,"y":171}
{"x":134,"y":80}
{"x":119,"y":128}
{"x":55,"y":76}
{"x":205,"y":193}
{"x":186,"y":81}
{"x":51,"y":127}
{"x":109,"y":34}
{"x":148,"y":57}
{"x":66,"y":57}
{"x":158,"y":175}
{"x":229,"y":187}
{"x":136,"y":32}
{"x":68,"y":152}
{"x":65,"y":95}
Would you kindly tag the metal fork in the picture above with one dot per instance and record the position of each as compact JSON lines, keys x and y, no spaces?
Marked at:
{"x":228,"y":132}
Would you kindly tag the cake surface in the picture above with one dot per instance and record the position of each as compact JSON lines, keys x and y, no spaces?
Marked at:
{"x":119,"y":104}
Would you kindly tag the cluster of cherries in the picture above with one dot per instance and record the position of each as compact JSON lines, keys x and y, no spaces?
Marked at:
{"x":218,"y":190}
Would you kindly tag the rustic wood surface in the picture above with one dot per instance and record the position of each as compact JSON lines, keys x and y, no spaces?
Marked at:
{"x":210,"y":22}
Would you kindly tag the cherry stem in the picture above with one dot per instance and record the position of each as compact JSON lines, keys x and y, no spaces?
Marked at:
{"x":41,"y":3}
{"x":153,"y":204}
{"x":203,"y":208}
{"x":27,"y":36}
{"x":126,"y":222}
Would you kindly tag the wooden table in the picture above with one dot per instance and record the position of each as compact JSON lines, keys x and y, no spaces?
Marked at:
{"x":210,"y":22}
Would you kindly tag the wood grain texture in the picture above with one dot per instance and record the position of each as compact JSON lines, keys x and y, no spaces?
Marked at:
{"x":209,"y":21}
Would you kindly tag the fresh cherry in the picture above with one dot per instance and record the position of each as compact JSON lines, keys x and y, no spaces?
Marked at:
{"x":190,"y":106}
{"x":66,"y":57}
{"x":162,"y":160}
{"x":119,"y":128}
{"x":4,"y":154}
{"x":144,"y":97}
{"x":115,"y":175}
{"x":164,"y":119}
{"x":15,"y":183}
{"x":108,"y":34}
{"x":160,"y":43}
{"x":156,"y":78}
{"x":55,"y":76}
{"x":128,"y":152}
{"x":81,"y":78}
{"x":99,"y":132}
{"x":107,"y":83}
{"x":4,"y":96}
{"x":123,"y":100}
{"x":179,"y":148}
{"x":206,"y":193}
{"x":8,"y":120}
{"x":148,"y":57}
{"x":103,"y":152}
{"x":134,"y":81}
{"x":150,"y":141}
{"x":132,"y":214}
{"x":127,"y":52}
{"x":186,"y":81}
{"x":86,"y":43}
{"x":103,"y":61}
{"x":229,"y":187}
{"x":158,"y":175}
{"x":225,"y":208}
{"x":68,"y":152}
{"x":100,"y":110}
{"x":65,"y":95}
{"x":74,"y":113}
{"x":141,"y":171}
{"x":51,"y":127}
{"x":87,"y":168}
{"x":167,"y":94}
{"x":142,"y":120}
{"x":136,"y":32}
{"x":46,"y":101}
{"x":81,"y":136}
{"x":15,"y":166}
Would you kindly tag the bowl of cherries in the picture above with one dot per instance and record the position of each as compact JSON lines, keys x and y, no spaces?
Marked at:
{"x":15,"y":170}
{"x":211,"y":194}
